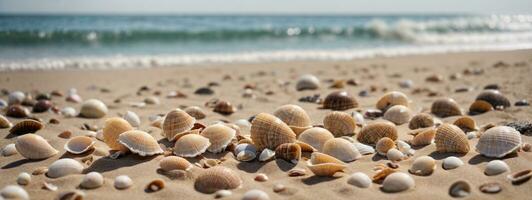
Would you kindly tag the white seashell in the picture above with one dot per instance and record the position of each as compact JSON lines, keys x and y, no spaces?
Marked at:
{"x":266,"y":154}
{"x":244,"y":124}
{"x":132,"y":118}
{"x":471,"y":135}
{"x":14,"y":192}
{"x":359,"y":179}
{"x":496,"y":167}
{"x":398,"y":182}
{"x":9,"y":150}
{"x":307,"y":82}
{"x":3,"y":104}
{"x":34,"y":146}
{"x":219,"y":136}
{"x":79,"y":144}
{"x":359,"y":118}
{"x":403,"y":146}
{"x":123,"y":182}
{"x":406,"y":83}
{"x":255,"y":194}
{"x":341,"y":149}
{"x":140,"y":142}
{"x":499,"y":141}
{"x":394,"y":155}
{"x":92,"y":180}
{"x":151,"y":100}
{"x":23,"y":178}
{"x":222,"y":193}
{"x":69,"y":112}
{"x":398,"y":114}
{"x":63,"y":167}
{"x":452,"y":162}
{"x":15,"y":97}
{"x":245,"y":152}
{"x":423,"y":165}
{"x":93,"y":108}
{"x":364,"y":149}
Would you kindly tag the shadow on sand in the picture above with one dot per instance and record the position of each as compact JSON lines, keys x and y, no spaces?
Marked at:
{"x":106,"y":164}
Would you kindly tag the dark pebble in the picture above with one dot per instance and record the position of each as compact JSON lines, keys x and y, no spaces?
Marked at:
{"x":311,"y":99}
{"x":522,"y":102}
{"x":204,"y":91}
{"x":363,"y":93}
{"x":492,"y":87}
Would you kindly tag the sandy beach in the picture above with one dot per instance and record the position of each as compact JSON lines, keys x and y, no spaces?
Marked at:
{"x":274,"y":86}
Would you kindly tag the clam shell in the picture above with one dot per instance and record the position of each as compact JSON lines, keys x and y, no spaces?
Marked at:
{"x":359,"y":118}
{"x":112,"y":129}
{"x":520,"y":177}
{"x":191,"y":145}
{"x":341,"y":149}
{"x":316,"y":137}
{"x":14,"y":192}
{"x":195,"y":112}
{"x":398,"y":114}
{"x":33,"y":146}
{"x":288,"y":151}
{"x":391,"y":99}
{"x":340,"y":100}
{"x":359,"y":179}
{"x":217,"y":178}
{"x":383,"y":145}
{"x":490,"y":188}
{"x":467,"y":124}
{"x":320,"y":158}
{"x":266,"y":154}
{"x":255,"y":194}
{"x":451,"y":139}
{"x":245,"y":152}
{"x":174,"y":163}
{"x":452,"y":162}
{"x":4,"y":122}
{"x":307,"y":82}
{"x":294,"y":116}
{"x":268,"y":131}
{"x":219,"y":136}
{"x":424,"y":136}
{"x":140,"y":142}
{"x":363,"y":148}
{"x":93,"y":108}
{"x":79,"y":144}
{"x":479,"y":107}
{"x":495,"y":98}
{"x":132,"y":118}
{"x":177,"y":123}
{"x":421,"y":120}
{"x":339,"y":123}
{"x":499,"y":141}
{"x":123,"y":182}
{"x":496,"y":167}
{"x":423,"y":165}
{"x":460,"y":189}
{"x":395,"y":155}
{"x":17,"y":111}
{"x":398,"y":182}
{"x":224,"y":108}
{"x":9,"y":150}
{"x":92,"y":180}
{"x":64,"y":167}
{"x":373,"y":132}
{"x":445,"y":107}
{"x":26,"y":126}
{"x":23,"y":178}
{"x":15,"y":97}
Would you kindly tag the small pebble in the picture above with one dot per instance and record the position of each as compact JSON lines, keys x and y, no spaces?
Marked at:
{"x":297,"y":172}
{"x":261,"y":177}
{"x":222,"y":193}
{"x":279,"y":188}
{"x":363,"y":93}
{"x":24,"y":178}
{"x":255,"y":194}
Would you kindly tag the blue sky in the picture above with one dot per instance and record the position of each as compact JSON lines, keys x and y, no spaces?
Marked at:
{"x":266,"y":6}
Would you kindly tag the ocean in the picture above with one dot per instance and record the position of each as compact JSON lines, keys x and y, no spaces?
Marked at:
{"x":102,"y":42}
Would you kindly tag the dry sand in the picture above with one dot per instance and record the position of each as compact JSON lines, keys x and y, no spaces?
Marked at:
{"x":515,"y":82}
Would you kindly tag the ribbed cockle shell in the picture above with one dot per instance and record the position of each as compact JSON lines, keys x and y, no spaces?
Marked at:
{"x":217,"y":178}
{"x":268,"y":131}
{"x":140,"y":142}
{"x":177,"y":123}
{"x":373,"y":132}
{"x":294,"y":116}
{"x":339,"y":123}
{"x":499,"y":141}
{"x":219,"y":136}
{"x":451,"y":139}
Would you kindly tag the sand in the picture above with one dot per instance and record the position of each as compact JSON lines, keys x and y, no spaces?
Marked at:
{"x":383,"y":73}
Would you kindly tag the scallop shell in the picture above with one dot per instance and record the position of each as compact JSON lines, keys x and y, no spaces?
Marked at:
{"x":424,"y":136}
{"x":383,"y":145}
{"x":217,"y":178}
{"x":495,"y":98}
{"x":395,"y":155}
{"x":191,"y":145}
{"x":123,"y":182}
{"x":445,"y":107}
{"x":266,"y":154}
{"x":340,"y":100}
{"x":324,"y":165}
{"x":140,"y":142}
{"x":23,"y":178}
{"x":452,"y":162}
{"x":268,"y":131}
{"x":177,"y":123}
{"x":288,"y":151}
{"x":14,"y":192}
{"x":196,"y":112}
{"x":294,"y":116}
{"x":496,"y":167}
{"x":132,"y":118}
{"x":92,"y":180}
{"x":174,"y":163}
{"x":423,"y":165}
{"x":26,"y":126}
{"x":398,"y":114}
{"x":4,"y":122}
{"x":499,"y":141}
{"x":339,"y":123}
{"x":17,"y":111}
{"x":373,"y":132}
{"x":421,"y":120}
{"x":64,"y":167}
{"x":341,"y":149}
{"x":520,"y":177}
{"x":9,"y":150}
{"x":255,"y":194}
{"x":479,"y":107}
{"x":363,"y":148}
{"x":451,"y":139}
{"x":93,"y":108}
{"x":398,"y":182}
{"x":391,"y":99}
{"x":224,"y":108}
{"x":219,"y":136}
{"x":316,"y":137}
{"x":460,"y":189}
{"x":112,"y":129}
{"x":33,"y":146}
{"x":359,"y":179}
{"x":307,"y":82}
{"x":467,"y":124}
{"x":79,"y":144}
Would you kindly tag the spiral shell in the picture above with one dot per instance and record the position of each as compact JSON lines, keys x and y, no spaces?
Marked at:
{"x":340,"y":100}
{"x":499,"y":141}
{"x":140,"y":142}
{"x":467,"y":124}
{"x":268,"y":131}
{"x":421,"y":120}
{"x":316,"y":137}
{"x":217,"y":178}
{"x":195,"y":112}
{"x":174,"y":163}
{"x":324,"y":165}
{"x":219,"y":136}
{"x":449,"y":138}
{"x":341,"y":149}
{"x":294,"y":116}
{"x":224,"y":108}
{"x":391,"y":99}
{"x":191,"y":145}
{"x":33,"y":146}
{"x":307,"y":82}
{"x":26,"y":126}
{"x":93,"y":108}
{"x":495,"y":98}
{"x":445,"y":107}
{"x":79,"y":144}
{"x":373,"y":132}
{"x":479,"y":107}
{"x":398,"y":114}
{"x":339,"y":123}
{"x":64,"y":167}
{"x":4,"y":122}
{"x":383,"y":145}
{"x":424,"y":136}
{"x":177,"y":123}
{"x":17,"y":111}
{"x":288,"y":151}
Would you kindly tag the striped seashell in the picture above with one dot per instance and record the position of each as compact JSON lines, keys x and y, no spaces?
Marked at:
{"x":170,"y":163}
{"x":423,"y":136}
{"x":177,"y":123}
{"x":340,"y":100}
{"x":79,"y":144}
{"x":445,"y":107}
{"x":341,"y":149}
{"x":289,"y":151}
{"x":17,"y":111}
{"x":307,"y":82}
{"x":373,"y":132}
{"x":383,"y":145}
{"x":268,"y":131}
{"x":294,"y":116}
{"x":398,"y":114}
{"x":324,"y":165}
{"x":219,"y":136}
{"x":363,"y":148}
{"x":339,"y":123}
{"x":26,"y":126}
{"x":421,"y":120}
{"x":217,"y":178}
{"x":466,"y":123}
{"x":495,"y":98}
{"x":112,"y":128}
{"x":305,"y":147}
{"x":391,"y":99}
{"x":316,"y":137}
{"x":140,"y":142}
{"x":479,"y":107}
{"x":196,"y":112}
{"x":191,"y":145}
{"x":499,"y":141}
{"x":4,"y":122}
{"x":451,"y":139}
{"x":34,"y":147}
{"x":224,"y":108}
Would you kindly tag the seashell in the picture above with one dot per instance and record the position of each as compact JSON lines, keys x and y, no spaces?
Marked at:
{"x":26,"y":126}
{"x":398,"y":182}
{"x":359,"y":118}
{"x":316,"y":137}
{"x":3,"y":104}
{"x":42,"y":106}
{"x":364,"y":149}
{"x":14,"y":192}
{"x":196,"y":112}
{"x":406,"y":83}
{"x":217,"y":178}
{"x":495,"y":98}
{"x":123,"y":182}
{"x":278,"y":188}
{"x":93,"y":108}
{"x":35,"y":147}
{"x":222,"y":194}
{"x":288,"y":151}
{"x":391,"y":99}
{"x":526,"y":147}
{"x":340,"y":100}
{"x":244,"y":124}
{"x":261,"y":177}
{"x":140,"y":142}
{"x":9,"y":150}
{"x":383,"y":145}
{"x":467,"y":124}
{"x":479,"y":107}
{"x":39,"y":171}
{"x":490,"y":188}
{"x":460,"y":189}
{"x":266,"y":154}
{"x":341,"y":149}
{"x":71,"y":195}
{"x":255,"y":194}
{"x":520,"y":177}
{"x":177,"y":123}
{"x":403,"y":146}
{"x":496,"y":167}
{"x":297,"y":172}
{"x":245,"y":152}
{"x":49,"y":186}
{"x":395,"y":155}
{"x":224,"y":108}
{"x":174,"y":163}
{"x":294,"y":116}
{"x":15,"y":97}
{"x":68,"y":112}
{"x":445,"y":107}
{"x":155,"y":185}
{"x":64,"y":167}
{"x":499,"y":141}
{"x":359,"y":179}
{"x":452,"y":162}
{"x":373,"y":132}
{"x":152,"y":100}
{"x":112,"y":129}
{"x":423,"y":165}
{"x":307,"y":82}
{"x":398,"y":114}
{"x":4,"y":122}
{"x":92,"y":180}
{"x":339,"y":123}
{"x":23,"y":178}
{"x":424,"y":136}
{"x":219,"y":136}
{"x":17,"y":111}
{"x":421,"y":120}
{"x":451,"y":139}
{"x":79,"y":144}
{"x":324,"y":165}
{"x":268,"y":131}
{"x":132,"y":118}
{"x":191,"y":145}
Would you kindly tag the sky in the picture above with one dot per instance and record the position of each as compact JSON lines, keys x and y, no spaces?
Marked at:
{"x":265,"y":6}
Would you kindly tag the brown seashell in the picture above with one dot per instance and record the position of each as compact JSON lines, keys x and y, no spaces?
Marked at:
{"x":339,"y":123}
{"x":421,"y":120}
{"x":155,"y":185}
{"x":495,"y":98}
{"x":224,"y":108}
{"x":424,"y":136}
{"x":196,"y":112}
{"x":42,"y":106}
{"x":140,"y":142}
{"x":520,"y":177}
{"x":383,"y":145}
{"x":467,"y":124}
{"x":191,"y":145}
{"x":4,"y":122}
{"x":479,"y":107}
{"x":174,"y":163}
{"x":177,"y":123}
{"x":526,"y":147}
{"x":316,"y":137}
{"x":219,"y":136}
{"x":341,"y":149}
{"x":338,"y":84}
{"x":434,"y":78}
{"x":398,"y":114}
{"x":217,"y":178}
{"x":324,"y":165}
{"x":391,"y":99}
{"x":112,"y":129}
{"x":17,"y":111}
{"x":490,"y":188}
{"x":288,"y":151}
{"x":26,"y":126}
{"x":79,"y":144}
{"x":33,"y":146}
{"x":340,"y":100}
{"x":382,"y":174}
{"x":449,"y":138}
{"x":460,"y":189}
{"x":297,"y":172}
{"x":65,"y":134}
{"x":445,"y":107}
{"x":261,"y":177}
{"x":268,"y":131}
{"x":305,"y":147}
{"x":373,"y":132}
{"x":294,"y":116}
